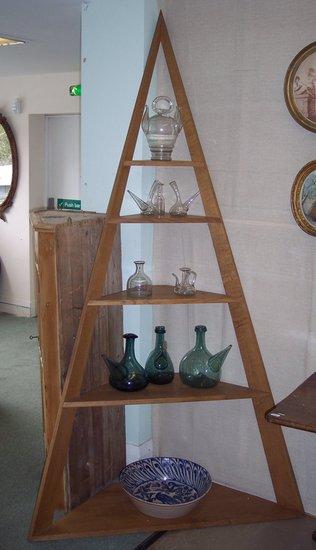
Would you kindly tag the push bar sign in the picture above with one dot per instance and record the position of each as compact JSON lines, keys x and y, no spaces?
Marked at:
{"x":68,"y":204}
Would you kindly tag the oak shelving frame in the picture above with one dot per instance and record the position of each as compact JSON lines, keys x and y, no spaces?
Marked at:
{"x":110,"y":511}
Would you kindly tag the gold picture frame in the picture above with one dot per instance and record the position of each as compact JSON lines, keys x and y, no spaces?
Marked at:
{"x":303,"y":198}
{"x":300,"y":87}
{"x":9,"y":166}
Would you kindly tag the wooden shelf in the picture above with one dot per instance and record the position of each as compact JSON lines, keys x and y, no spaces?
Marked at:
{"x":297,"y":410}
{"x":163,"y":163}
{"x":162,"y":294}
{"x":139,"y":218}
{"x":175,"y":392}
{"x":111,"y":513}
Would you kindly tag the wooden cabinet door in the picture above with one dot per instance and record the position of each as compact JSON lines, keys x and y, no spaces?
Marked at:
{"x":64,"y":258}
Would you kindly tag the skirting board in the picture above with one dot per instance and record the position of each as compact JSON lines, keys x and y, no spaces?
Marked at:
{"x":13,"y":309}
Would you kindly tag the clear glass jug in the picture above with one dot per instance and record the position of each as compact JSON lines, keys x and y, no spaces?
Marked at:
{"x":180,"y":208}
{"x":139,"y":285}
{"x":155,"y":204}
{"x":161,"y":129}
{"x":186,"y":285}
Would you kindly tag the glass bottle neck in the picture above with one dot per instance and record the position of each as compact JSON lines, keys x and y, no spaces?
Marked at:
{"x":200,"y":340}
{"x":176,"y":190}
{"x":139,"y":267}
{"x":129,"y":348}
{"x":159,"y":340}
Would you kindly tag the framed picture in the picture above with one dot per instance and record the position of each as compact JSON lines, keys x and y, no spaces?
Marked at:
{"x":303,"y":198}
{"x":300,"y":87}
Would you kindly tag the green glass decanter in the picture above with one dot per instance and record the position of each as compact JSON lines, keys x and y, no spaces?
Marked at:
{"x":159,"y":368}
{"x":199,"y":368}
{"x":128,"y":374}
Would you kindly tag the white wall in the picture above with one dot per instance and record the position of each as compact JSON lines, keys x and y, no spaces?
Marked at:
{"x":233,"y":56}
{"x":115,"y":42}
{"x":40,"y":94}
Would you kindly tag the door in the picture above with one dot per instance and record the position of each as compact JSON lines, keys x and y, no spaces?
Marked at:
{"x":63,"y":156}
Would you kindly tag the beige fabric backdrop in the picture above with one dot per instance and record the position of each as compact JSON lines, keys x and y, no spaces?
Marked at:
{"x":233,"y":55}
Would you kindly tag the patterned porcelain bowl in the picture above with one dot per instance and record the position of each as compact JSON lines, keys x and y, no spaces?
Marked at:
{"x":165,"y":487}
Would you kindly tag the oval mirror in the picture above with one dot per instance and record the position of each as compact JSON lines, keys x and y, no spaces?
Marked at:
{"x":8,"y":166}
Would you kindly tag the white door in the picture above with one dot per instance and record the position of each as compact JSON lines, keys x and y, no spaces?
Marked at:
{"x":63,"y":156}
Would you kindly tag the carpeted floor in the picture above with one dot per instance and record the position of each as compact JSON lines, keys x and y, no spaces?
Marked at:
{"x":21,"y":459}
{"x":21,"y":454}
{"x":279,"y":535}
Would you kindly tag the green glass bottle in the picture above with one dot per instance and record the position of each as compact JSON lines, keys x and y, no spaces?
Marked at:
{"x":199,"y":368}
{"x":159,"y":368}
{"x":128,"y":374}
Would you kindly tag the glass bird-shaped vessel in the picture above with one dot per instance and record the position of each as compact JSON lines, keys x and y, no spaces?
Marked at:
{"x":159,"y":368}
{"x":199,"y":368}
{"x":139,"y":285}
{"x":161,"y":129}
{"x":155,"y":204}
{"x":180,"y":208}
{"x":128,"y":374}
{"x":186,"y":285}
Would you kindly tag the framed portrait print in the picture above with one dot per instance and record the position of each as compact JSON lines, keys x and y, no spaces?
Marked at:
{"x":303,"y":198}
{"x":300,"y":87}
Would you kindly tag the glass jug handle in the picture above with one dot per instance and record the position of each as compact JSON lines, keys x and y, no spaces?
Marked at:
{"x":162,"y":105}
{"x":194,"y":276}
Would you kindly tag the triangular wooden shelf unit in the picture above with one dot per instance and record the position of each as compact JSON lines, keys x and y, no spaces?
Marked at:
{"x":110,"y":512}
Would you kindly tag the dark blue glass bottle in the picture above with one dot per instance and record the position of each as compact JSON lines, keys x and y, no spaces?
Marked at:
{"x":128,"y":374}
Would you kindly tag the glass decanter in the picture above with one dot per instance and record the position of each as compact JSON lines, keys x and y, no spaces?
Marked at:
{"x":159,"y":368}
{"x":155,"y":205}
{"x":180,"y":208}
{"x":161,"y":129}
{"x":158,"y":199}
{"x":139,"y":285}
{"x":199,"y":368}
{"x":128,"y":374}
{"x":186,"y":286}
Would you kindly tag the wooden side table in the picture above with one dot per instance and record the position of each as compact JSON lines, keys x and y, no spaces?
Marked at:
{"x":297,"y":410}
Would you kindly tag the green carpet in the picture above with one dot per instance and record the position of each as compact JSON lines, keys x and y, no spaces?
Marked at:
{"x":21,"y":455}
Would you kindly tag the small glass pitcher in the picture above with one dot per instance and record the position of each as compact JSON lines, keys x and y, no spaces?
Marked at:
{"x":186,"y":286}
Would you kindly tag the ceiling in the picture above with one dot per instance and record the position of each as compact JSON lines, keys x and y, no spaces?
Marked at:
{"x":52,"y":28}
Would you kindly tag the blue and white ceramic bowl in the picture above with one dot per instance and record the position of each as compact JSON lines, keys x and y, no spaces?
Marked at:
{"x":165,"y":487}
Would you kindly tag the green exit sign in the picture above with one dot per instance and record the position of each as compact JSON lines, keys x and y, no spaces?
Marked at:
{"x":68,"y":204}
{"x":75,"y":89}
